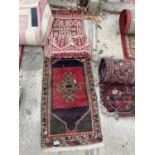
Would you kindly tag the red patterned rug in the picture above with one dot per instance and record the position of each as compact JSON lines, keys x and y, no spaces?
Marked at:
{"x":69,"y":104}
{"x":67,"y":38}
{"x":127,"y":30}
{"x":119,"y":98}
{"x":117,"y":86}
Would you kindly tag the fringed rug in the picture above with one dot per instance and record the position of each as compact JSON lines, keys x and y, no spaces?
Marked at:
{"x":70,"y":114}
{"x":68,"y":37}
{"x":117,"y":86}
{"x":127,"y":30}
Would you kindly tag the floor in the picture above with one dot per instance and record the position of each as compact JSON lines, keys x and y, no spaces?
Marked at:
{"x":118,"y":133}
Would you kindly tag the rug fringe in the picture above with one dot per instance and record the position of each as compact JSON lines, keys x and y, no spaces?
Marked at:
{"x":74,"y":148}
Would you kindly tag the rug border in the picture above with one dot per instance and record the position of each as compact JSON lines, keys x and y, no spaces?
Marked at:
{"x":97,"y":136}
{"x":124,"y":48}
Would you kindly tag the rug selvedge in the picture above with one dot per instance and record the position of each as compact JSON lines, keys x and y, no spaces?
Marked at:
{"x":85,"y":134}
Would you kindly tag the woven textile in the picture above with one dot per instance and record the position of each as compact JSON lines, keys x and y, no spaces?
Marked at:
{"x":68,"y":38}
{"x":117,"y":78}
{"x":127,"y":30}
{"x":113,"y":70}
{"x":69,"y":104}
{"x":35,"y":21}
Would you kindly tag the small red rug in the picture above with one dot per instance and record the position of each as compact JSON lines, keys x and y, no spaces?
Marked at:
{"x":127,"y":30}
{"x":69,"y":104}
{"x":67,"y":38}
{"x":117,"y":86}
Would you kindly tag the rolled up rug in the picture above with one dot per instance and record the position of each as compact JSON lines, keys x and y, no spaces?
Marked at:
{"x":35,"y":21}
{"x":114,"y":70}
{"x":127,"y":31}
{"x":117,"y":86}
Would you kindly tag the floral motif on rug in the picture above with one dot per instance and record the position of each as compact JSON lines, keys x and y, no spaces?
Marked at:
{"x":119,"y":98}
{"x":117,"y":86}
{"x":68,"y":38}
{"x":70,"y":114}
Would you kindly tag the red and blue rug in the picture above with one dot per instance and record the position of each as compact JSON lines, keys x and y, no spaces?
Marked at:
{"x":117,"y":86}
{"x":70,"y":114}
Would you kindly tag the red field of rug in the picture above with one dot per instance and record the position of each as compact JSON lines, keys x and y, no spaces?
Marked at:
{"x":67,"y":38}
{"x":69,"y":104}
